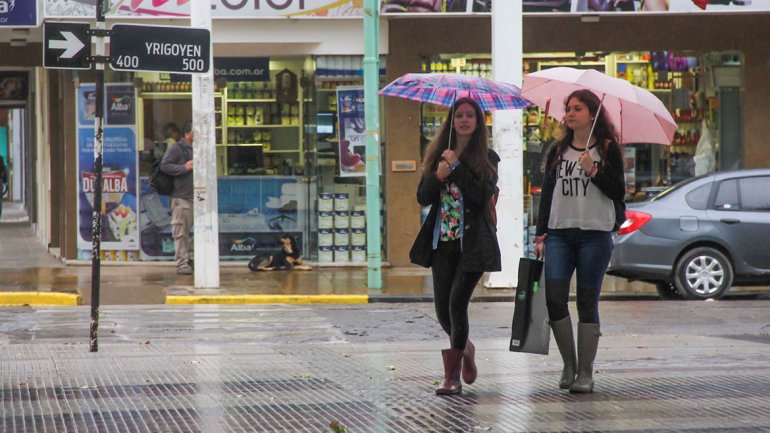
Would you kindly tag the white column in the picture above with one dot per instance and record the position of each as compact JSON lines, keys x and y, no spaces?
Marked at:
{"x":507,"y":52}
{"x":205,"y":163}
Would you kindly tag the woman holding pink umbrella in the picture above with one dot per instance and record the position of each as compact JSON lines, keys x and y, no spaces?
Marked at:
{"x":458,"y":239}
{"x":583,"y":182}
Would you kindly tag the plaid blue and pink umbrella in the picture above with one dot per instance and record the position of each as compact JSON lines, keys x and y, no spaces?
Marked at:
{"x":445,"y":89}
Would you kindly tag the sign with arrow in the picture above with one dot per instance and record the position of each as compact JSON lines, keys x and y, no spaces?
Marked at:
{"x":67,"y":46}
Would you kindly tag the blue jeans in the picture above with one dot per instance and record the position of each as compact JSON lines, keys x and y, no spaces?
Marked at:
{"x":569,"y":250}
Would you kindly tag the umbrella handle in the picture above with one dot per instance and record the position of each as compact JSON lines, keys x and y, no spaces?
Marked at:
{"x":451,"y":121}
{"x":593,"y":125}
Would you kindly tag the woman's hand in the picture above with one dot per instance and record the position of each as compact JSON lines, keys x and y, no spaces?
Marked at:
{"x":449,"y":156}
{"x":540,"y":250}
{"x":443,"y":170}
{"x":585,"y":161}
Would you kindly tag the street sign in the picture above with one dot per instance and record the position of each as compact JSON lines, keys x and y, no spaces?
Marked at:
{"x":67,"y":46}
{"x":160,"y":48}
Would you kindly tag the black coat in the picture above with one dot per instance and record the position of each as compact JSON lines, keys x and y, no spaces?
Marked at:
{"x":481,"y":252}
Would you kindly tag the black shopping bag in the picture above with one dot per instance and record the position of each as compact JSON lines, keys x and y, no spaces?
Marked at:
{"x":530,"y":330}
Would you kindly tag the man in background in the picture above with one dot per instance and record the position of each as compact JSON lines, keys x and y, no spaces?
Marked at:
{"x":177,"y":162}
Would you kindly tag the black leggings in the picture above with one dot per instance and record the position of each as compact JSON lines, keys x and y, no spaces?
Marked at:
{"x":452,"y":290}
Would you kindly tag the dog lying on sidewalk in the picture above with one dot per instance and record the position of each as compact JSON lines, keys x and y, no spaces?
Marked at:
{"x":287,"y":258}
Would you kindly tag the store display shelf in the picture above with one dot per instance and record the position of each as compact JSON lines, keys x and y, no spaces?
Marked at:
{"x":263,"y":126}
{"x":283,"y":151}
{"x":634,"y":62}
{"x":243,"y":144}
{"x":250,"y":100}
{"x":171,"y":95}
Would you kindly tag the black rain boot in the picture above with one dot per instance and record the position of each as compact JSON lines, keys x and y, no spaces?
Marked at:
{"x":588,"y":342}
{"x":469,"y":363}
{"x":565,"y":340}
{"x":453,"y":364}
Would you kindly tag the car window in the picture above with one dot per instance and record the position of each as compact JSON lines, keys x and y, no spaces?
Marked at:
{"x":699,"y":197}
{"x":755,"y":193}
{"x":727,"y":196}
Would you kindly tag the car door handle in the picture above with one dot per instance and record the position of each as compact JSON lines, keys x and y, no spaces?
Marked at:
{"x":730,"y":221}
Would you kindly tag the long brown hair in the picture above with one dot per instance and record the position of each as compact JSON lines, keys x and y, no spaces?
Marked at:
{"x":604,"y":131}
{"x":476,"y":152}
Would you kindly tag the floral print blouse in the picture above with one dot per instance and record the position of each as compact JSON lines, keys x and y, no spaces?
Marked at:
{"x":451,"y":210}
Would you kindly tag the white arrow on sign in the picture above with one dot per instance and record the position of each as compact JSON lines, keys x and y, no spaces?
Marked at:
{"x":71,"y":45}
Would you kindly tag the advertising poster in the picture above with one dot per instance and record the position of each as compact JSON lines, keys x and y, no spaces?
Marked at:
{"x":352,"y":127}
{"x":219,"y":8}
{"x":392,"y":7}
{"x":120,"y":168}
{"x":18,"y":13}
{"x":436,"y":6}
{"x":253,"y":212}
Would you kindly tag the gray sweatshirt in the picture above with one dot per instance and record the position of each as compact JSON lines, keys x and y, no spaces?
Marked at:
{"x":173,"y":164}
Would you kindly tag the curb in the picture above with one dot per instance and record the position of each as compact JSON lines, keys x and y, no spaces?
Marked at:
{"x":268,"y":299}
{"x":39,"y":299}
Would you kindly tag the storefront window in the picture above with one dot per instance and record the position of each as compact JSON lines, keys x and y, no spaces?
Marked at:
{"x":694,"y":86}
{"x":289,"y":154}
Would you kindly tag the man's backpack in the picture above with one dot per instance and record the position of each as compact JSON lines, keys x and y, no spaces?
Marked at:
{"x":160,"y":182}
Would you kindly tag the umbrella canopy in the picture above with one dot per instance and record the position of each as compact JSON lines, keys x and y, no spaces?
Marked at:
{"x":445,"y":89}
{"x":638,"y":115}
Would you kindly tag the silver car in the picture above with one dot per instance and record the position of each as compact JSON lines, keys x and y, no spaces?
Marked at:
{"x":699,"y":237}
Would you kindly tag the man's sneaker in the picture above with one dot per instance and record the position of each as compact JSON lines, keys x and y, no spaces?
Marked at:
{"x":184,"y":270}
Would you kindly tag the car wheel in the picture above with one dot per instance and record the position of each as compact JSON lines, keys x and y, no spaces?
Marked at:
{"x":703,"y":273}
{"x":667,"y":290}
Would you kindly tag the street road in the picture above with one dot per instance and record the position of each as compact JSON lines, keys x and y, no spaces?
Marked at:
{"x":662,"y":366}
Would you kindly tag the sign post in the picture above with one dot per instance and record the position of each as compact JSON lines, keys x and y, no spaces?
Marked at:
{"x":97,"y":210}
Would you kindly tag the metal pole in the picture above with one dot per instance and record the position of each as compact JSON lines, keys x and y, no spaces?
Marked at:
{"x":372,"y":107}
{"x":96,"y":223}
{"x":507,"y":52}
{"x":205,"y":199}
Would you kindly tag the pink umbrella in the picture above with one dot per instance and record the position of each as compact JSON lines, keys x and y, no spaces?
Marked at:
{"x":639,"y":116}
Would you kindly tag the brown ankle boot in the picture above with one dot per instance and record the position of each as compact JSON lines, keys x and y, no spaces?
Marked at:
{"x":469,"y":363}
{"x":453,"y":364}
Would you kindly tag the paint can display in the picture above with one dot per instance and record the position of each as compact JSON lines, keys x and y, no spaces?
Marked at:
{"x":341,"y":201}
{"x":358,"y":237}
{"x":325,"y":254}
{"x":341,"y":219}
{"x":325,"y":202}
{"x":341,"y":237}
{"x":358,"y":219}
{"x":325,"y":238}
{"x":326,"y":220}
{"x":358,"y":254}
{"x":342,"y":253}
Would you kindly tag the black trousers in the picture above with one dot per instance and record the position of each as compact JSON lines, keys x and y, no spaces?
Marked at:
{"x":452,"y":290}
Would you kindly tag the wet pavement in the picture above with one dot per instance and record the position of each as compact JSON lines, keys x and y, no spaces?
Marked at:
{"x":25,"y":265}
{"x":662,"y":366}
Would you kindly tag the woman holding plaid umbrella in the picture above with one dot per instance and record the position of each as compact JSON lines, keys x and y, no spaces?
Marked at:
{"x":458,"y":240}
